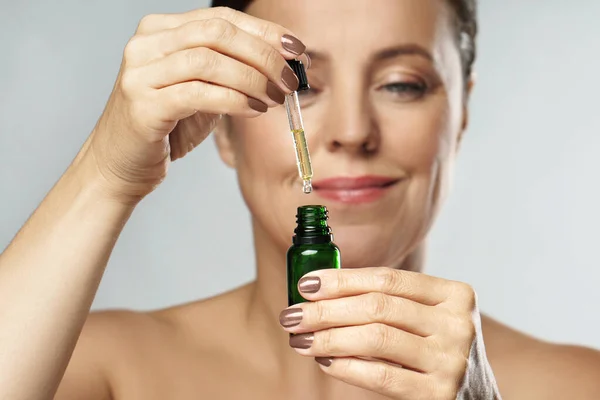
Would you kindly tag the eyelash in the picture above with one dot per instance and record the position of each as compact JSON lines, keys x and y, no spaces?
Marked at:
{"x":406,"y":88}
{"x":399,"y":89}
{"x":312,"y":90}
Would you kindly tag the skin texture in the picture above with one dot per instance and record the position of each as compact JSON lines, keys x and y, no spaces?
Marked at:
{"x":400,"y":116}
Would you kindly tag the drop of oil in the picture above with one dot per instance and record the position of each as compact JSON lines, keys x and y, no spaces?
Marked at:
{"x":307,"y":187}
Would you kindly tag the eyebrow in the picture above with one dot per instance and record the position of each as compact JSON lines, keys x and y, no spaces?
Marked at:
{"x":411,"y":49}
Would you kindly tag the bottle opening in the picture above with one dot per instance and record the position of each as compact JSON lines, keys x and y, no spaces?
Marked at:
{"x":311,"y":225}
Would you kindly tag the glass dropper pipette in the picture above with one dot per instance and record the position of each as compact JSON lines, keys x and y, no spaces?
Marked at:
{"x":292,"y":105}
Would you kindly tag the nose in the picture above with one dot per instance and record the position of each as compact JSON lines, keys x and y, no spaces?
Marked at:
{"x":350,"y":124}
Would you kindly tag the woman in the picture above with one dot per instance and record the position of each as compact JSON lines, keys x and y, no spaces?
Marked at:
{"x":387,"y":109}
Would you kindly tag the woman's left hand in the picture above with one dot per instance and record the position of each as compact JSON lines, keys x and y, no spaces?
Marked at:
{"x":402,"y":334}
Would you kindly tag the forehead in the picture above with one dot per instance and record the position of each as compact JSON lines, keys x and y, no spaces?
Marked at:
{"x":361,"y":27}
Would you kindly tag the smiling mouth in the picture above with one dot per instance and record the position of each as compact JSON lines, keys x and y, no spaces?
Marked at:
{"x":354,"y":190}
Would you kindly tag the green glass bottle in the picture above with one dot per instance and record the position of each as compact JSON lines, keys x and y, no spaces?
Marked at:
{"x":312,"y":248}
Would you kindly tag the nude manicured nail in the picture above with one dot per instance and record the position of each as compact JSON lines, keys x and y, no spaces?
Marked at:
{"x":310,"y":284}
{"x":302,"y":341}
{"x":275,"y":93}
{"x":257,"y":105}
{"x":289,"y":78}
{"x":290,"y":317}
{"x":324,"y":361}
{"x":292,"y":44}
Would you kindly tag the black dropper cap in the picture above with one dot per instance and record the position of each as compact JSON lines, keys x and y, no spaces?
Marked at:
{"x":300,"y":72}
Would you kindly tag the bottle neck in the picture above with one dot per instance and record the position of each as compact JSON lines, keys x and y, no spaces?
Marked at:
{"x":311,"y":226}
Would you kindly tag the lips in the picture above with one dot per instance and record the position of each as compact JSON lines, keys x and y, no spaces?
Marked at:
{"x":354,"y":190}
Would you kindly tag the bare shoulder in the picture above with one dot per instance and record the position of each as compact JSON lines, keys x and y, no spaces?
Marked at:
{"x":108,"y":342}
{"x":120,"y":351}
{"x":564,"y":371}
{"x":526,"y":367}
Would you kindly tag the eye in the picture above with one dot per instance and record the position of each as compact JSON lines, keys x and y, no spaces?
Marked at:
{"x":308,"y":97}
{"x":406,"y":90}
{"x":309,"y":92}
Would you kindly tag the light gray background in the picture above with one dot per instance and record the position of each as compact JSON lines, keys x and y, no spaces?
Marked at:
{"x":521,"y":225}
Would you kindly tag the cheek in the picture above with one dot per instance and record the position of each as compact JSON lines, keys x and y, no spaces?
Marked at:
{"x":422,"y":139}
{"x":264,"y":149}
{"x":421,"y":136}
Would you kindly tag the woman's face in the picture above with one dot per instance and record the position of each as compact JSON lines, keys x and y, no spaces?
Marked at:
{"x":386,"y":101}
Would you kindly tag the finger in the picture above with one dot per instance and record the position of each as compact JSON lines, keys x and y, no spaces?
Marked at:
{"x":374,"y":307}
{"x":277,"y":36}
{"x":185,"y":99}
{"x":380,"y":377}
{"x":329,"y":283}
{"x":190,"y":45}
{"x":209,"y":66}
{"x":377,"y":341}
{"x":188,"y":136}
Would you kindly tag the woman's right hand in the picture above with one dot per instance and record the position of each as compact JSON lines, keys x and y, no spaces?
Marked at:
{"x":180,"y":73}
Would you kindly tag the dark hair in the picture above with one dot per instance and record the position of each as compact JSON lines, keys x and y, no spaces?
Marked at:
{"x":466,"y":21}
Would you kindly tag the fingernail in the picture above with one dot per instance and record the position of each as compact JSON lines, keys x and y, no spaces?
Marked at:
{"x":324,"y":361}
{"x":307,"y":61}
{"x":257,"y":105}
{"x":290,"y":317}
{"x":289,"y":78}
{"x":309,"y":284}
{"x":302,"y":341}
{"x":275,"y":93}
{"x":292,"y":44}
